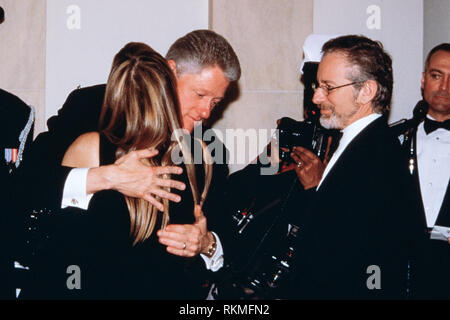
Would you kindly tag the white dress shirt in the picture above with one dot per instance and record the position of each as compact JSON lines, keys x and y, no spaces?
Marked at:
{"x":433,"y":162}
{"x":348,"y":134}
{"x":74,"y":195}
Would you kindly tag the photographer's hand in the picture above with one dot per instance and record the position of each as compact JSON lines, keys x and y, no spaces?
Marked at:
{"x":309,"y":167}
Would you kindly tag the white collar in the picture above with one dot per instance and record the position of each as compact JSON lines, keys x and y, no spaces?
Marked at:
{"x":352,"y":130}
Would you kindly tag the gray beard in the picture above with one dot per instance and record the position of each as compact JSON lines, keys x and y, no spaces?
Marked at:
{"x":333,"y":122}
{"x":336,"y":121}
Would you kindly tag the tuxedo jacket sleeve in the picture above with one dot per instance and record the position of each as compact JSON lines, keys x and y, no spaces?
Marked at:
{"x":44,"y":173}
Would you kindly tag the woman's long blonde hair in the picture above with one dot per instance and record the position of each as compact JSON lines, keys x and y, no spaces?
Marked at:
{"x":141,"y":110}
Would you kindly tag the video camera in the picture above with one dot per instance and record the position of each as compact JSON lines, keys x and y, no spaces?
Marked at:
{"x":308,"y":134}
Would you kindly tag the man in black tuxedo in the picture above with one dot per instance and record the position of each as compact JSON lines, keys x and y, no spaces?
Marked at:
{"x":426,"y":144}
{"x":16,"y":125}
{"x":204,"y":64}
{"x":354,"y":241}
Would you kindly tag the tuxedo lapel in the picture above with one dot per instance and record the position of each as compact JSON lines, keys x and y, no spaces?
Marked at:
{"x":416,"y":183}
{"x":443,"y":218}
{"x":360,"y":141}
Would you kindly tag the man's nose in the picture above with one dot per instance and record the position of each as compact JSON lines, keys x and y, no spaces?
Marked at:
{"x":318,"y":96}
{"x":205,"y":110}
{"x":444,"y":85}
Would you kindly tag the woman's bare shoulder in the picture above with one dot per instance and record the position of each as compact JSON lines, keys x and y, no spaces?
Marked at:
{"x":83,"y":152}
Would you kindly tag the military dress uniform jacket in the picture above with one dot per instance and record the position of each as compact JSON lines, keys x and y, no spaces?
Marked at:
{"x":16,"y":125}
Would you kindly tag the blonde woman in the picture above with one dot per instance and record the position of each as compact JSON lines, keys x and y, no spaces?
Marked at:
{"x":118,"y":252}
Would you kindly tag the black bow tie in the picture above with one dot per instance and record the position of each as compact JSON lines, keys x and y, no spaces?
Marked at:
{"x":431,"y":125}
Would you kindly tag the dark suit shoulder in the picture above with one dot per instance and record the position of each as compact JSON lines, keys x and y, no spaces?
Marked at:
{"x":377,"y":139}
{"x":97,"y":91}
{"x":79,"y":113}
{"x":81,"y":105}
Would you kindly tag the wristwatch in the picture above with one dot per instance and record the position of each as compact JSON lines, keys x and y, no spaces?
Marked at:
{"x":212,"y":248}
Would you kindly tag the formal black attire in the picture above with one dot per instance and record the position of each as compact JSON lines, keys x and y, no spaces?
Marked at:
{"x":80,"y":114}
{"x":111,"y":268}
{"x":356,"y":219}
{"x":429,"y":259}
{"x":15,"y":115}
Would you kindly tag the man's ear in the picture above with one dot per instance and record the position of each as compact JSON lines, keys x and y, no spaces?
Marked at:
{"x":367,"y":92}
{"x":173,"y":66}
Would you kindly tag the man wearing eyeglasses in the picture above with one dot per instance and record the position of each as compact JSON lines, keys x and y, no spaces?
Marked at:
{"x":354,"y":241}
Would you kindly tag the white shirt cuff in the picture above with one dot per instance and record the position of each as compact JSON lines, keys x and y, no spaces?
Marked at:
{"x":74,"y":194}
{"x":216,"y":261}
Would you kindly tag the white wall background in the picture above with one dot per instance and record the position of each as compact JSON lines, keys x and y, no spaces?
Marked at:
{"x":84,"y":35}
{"x":398,"y":24}
{"x":436,"y":24}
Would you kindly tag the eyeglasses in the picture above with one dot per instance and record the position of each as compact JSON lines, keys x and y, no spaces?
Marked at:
{"x":326,"y":88}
